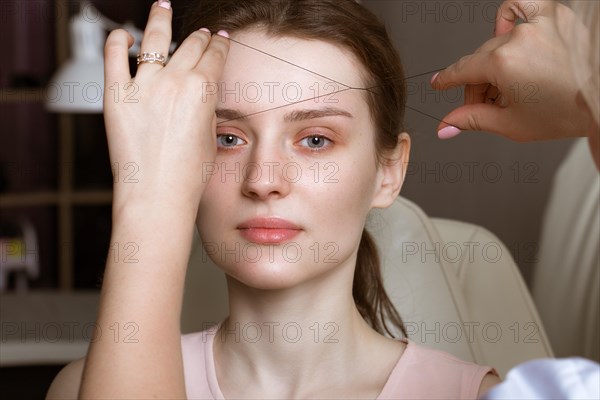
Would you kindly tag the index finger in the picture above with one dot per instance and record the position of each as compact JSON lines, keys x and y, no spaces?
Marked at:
{"x":469,"y":70}
{"x":211,"y":64}
{"x":213,"y":59}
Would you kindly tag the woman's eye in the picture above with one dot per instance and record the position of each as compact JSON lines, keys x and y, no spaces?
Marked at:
{"x":229,"y":140}
{"x":316,"y":142}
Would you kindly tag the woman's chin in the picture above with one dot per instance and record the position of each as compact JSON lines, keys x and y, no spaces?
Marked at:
{"x":268,"y":277}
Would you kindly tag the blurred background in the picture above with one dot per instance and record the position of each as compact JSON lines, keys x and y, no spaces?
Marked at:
{"x":55,"y":173}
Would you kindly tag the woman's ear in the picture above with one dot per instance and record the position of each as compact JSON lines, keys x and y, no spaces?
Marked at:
{"x":391,"y":173}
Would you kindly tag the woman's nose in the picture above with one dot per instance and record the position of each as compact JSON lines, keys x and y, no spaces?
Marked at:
{"x":265,"y":176}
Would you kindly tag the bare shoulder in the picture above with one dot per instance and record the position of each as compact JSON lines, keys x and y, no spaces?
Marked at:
{"x":488,"y":381}
{"x":66,"y":384}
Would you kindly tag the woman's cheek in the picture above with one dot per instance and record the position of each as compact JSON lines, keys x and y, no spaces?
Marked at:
{"x":215,"y":203}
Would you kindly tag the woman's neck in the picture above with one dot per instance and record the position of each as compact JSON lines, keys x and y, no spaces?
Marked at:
{"x":292,"y":342}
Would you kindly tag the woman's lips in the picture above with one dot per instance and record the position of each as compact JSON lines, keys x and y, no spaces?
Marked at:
{"x":268,"y":230}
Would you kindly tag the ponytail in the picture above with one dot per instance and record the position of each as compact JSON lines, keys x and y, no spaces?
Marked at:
{"x":368,"y":291}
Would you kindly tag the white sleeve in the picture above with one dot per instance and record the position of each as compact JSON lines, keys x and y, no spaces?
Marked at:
{"x":567,"y":378}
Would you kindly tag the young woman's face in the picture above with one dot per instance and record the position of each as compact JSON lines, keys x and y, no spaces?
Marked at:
{"x":292,"y":184}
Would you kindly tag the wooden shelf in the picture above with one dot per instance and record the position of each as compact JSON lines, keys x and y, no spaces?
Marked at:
{"x":28,"y":95}
{"x":65,"y":197}
{"x":55,"y":198}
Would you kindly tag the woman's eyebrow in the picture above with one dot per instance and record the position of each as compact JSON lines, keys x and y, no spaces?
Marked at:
{"x":301,"y":115}
{"x":294,"y":116}
{"x":230,"y":114}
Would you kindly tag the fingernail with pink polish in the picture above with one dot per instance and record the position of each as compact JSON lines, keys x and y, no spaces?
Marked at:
{"x":223,"y":33}
{"x":164,"y":4}
{"x":433,"y":78}
{"x":448,"y":132}
{"x":205,"y":30}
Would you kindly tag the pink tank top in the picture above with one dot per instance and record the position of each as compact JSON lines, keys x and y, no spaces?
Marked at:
{"x":421,"y":372}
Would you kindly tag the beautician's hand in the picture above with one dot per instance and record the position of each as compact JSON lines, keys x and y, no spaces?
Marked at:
{"x":161,"y":124}
{"x":526,"y":68}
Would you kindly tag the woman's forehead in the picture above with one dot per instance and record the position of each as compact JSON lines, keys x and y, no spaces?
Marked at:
{"x":264,"y":72}
{"x":256,"y":57}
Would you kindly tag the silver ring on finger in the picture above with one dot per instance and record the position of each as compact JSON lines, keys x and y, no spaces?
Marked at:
{"x":151,"y":58}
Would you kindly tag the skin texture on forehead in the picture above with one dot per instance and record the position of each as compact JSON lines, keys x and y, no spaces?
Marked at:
{"x":279,"y":71}
{"x":334,"y":62}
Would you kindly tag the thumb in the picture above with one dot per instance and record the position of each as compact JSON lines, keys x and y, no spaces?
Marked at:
{"x":526,"y":10}
{"x":472,"y":117}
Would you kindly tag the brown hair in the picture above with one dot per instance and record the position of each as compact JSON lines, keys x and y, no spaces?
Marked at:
{"x":347,"y":24}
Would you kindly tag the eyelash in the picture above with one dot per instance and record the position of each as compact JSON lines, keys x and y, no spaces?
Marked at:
{"x":222,"y":135}
{"x":328,"y":142}
{"x":325,"y":146}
